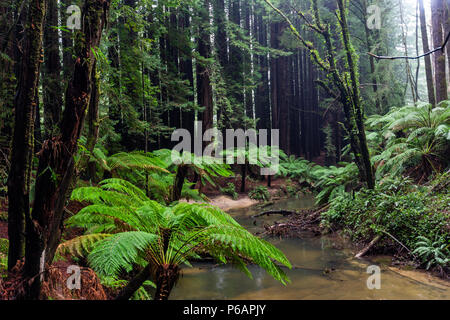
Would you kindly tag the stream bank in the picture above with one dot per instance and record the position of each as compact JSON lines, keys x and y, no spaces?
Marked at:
{"x":324,"y":268}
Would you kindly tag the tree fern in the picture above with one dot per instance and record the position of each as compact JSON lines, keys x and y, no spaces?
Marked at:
{"x":143,"y":232}
{"x":417,"y":139}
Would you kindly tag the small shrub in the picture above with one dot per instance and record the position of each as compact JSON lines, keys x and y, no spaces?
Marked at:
{"x":260,"y":193}
{"x":4,"y":244}
{"x":230,"y":190}
{"x":433,"y":252}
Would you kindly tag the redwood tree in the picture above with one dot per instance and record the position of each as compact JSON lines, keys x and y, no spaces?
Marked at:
{"x":426,"y":48}
{"x":437,"y":11}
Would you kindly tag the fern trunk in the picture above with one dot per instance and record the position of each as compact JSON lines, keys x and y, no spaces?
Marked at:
{"x":178,"y":183}
{"x":134,"y":284}
{"x":166,"y":277}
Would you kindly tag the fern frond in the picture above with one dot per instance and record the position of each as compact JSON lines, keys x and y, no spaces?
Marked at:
{"x":119,"y":252}
{"x":80,"y":246}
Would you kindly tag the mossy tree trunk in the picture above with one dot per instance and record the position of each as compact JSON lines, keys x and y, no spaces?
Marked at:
{"x":51,"y":73}
{"x":346,"y":82}
{"x":23,"y":139}
{"x":355,"y":97}
{"x":56,"y":159}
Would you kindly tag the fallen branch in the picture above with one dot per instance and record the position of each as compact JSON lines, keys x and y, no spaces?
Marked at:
{"x":278,"y":225}
{"x":395,"y":239}
{"x":268,"y":213}
{"x":367,"y":248}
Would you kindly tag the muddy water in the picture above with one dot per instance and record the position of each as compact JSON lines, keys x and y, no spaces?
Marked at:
{"x":321,"y":272}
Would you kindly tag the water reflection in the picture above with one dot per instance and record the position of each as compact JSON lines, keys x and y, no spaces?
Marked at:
{"x":320,"y":272}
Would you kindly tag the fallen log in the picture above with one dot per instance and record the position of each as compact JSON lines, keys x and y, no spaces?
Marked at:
{"x":367,"y":248}
{"x":268,"y":213}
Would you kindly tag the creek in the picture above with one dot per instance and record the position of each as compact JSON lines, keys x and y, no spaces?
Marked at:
{"x":323,"y":270}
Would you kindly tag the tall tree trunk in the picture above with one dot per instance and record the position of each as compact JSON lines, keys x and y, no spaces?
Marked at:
{"x":437,"y":12}
{"x":204,"y":88}
{"x":51,"y":73}
{"x":178,"y":183}
{"x":355,"y":98}
{"x":409,"y":77}
{"x":447,"y":31}
{"x":186,"y":70}
{"x":427,"y":59}
{"x":93,"y":123}
{"x":56,"y":159}
{"x":23,"y":139}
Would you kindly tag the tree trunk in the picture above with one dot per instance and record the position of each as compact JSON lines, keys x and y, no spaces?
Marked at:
{"x":93,"y":122}
{"x":357,"y":107}
{"x":51,"y":73}
{"x":437,"y":12}
{"x":23,"y":139}
{"x":134,"y":284}
{"x":243,"y":176}
{"x":204,"y":88}
{"x":166,"y":277}
{"x":427,"y":59}
{"x":178,"y":183}
{"x":56,"y":162}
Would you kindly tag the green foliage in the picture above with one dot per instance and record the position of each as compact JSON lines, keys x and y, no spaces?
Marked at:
{"x":296,"y":168}
{"x":397,"y":207}
{"x":206,"y":167}
{"x":416,"y":140}
{"x":334,"y":181}
{"x":260,"y":193}
{"x":140,"y":294}
{"x":139,"y":229}
{"x":230,"y":190}
{"x":4,"y":245}
{"x":433,"y":252}
{"x":80,"y":246}
{"x":329,"y":182}
{"x":3,"y":216}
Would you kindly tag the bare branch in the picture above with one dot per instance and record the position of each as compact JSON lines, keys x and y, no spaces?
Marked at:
{"x":416,"y":57}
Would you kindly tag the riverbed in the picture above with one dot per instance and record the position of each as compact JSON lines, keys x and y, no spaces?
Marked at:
{"x":322,"y":270}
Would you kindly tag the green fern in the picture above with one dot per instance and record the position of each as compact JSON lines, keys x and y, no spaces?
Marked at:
{"x":433,"y":252}
{"x":416,"y":138}
{"x":80,"y":246}
{"x":142,"y":231}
